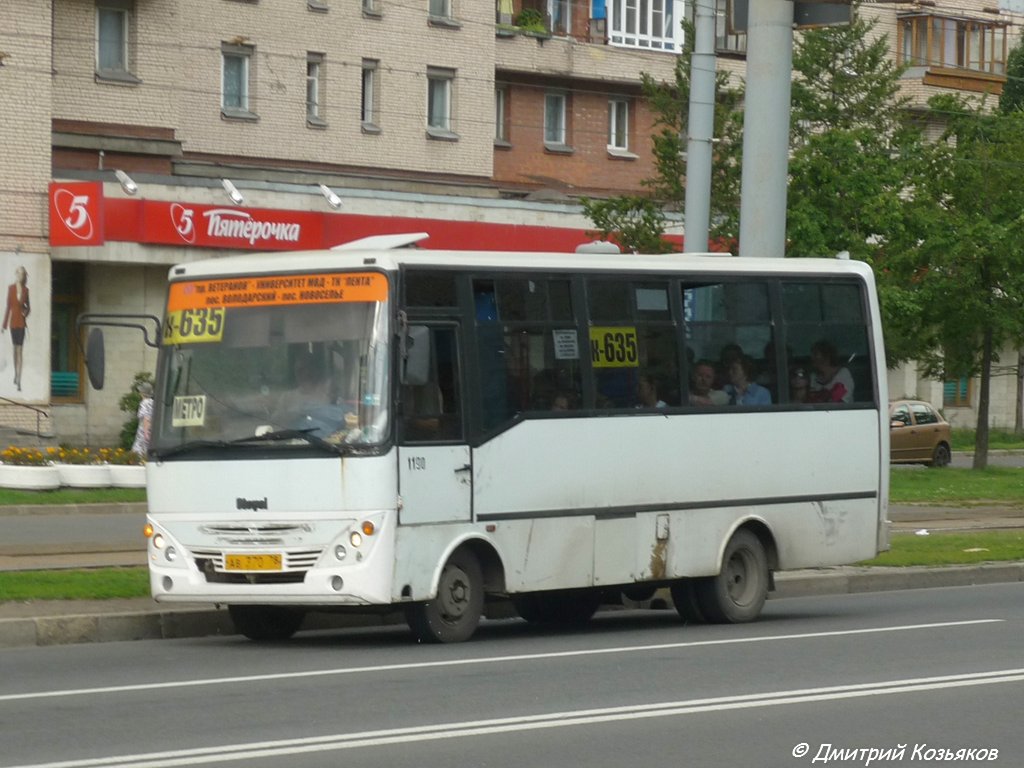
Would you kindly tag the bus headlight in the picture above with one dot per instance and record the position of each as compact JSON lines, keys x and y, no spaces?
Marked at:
{"x":340,"y":552}
{"x":158,"y":541}
{"x":355,"y":539}
{"x":171,"y":554}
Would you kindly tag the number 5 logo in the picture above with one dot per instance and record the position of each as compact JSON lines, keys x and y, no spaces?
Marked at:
{"x":74,"y":213}
{"x":184,"y":222}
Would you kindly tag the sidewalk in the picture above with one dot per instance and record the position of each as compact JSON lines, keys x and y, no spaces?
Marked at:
{"x":85,"y":621}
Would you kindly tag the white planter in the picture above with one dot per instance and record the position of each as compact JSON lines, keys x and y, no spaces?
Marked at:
{"x":84,"y":475}
{"x":127,"y":475}
{"x":29,"y":478}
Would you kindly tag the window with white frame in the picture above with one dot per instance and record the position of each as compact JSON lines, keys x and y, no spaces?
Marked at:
{"x":727,"y":39}
{"x":114,"y":22}
{"x":369,"y":95}
{"x":555,"y":119}
{"x":955,"y":43}
{"x":650,"y":24}
{"x":501,"y":114}
{"x":314,"y":88}
{"x":618,"y":124}
{"x":560,"y":12}
{"x":235,"y":80}
{"x":371,"y":7}
{"x":440,"y":87}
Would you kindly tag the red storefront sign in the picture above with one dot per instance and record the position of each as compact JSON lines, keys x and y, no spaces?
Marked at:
{"x":185,"y":224}
{"x":76,"y":213}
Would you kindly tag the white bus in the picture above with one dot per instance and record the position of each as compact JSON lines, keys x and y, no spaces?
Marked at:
{"x":376,"y":427}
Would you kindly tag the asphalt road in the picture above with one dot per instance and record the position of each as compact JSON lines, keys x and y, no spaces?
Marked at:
{"x":929,"y":669}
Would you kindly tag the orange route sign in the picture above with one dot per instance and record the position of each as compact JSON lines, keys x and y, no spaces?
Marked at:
{"x":271,"y":290}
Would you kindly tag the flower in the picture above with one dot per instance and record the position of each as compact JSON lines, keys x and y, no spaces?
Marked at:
{"x":65,"y":455}
{"x":27,"y":457}
{"x":121,"y":456}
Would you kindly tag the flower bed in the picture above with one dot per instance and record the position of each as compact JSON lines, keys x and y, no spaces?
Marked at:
{"x":35,"y":469}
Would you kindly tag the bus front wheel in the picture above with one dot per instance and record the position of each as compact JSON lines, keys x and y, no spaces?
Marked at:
{"x":266,"y":623}
{"x":737,"y":594}
{"x":454,"y":614}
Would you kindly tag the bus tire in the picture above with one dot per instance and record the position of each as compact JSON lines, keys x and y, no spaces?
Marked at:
{"x":454,"y":614}
{"x":737,"y":594}
{"x":266,"y":623}
{"x":567,"y":608}
{"x":684,"y":598}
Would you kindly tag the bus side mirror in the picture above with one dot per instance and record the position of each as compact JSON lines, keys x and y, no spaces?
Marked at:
{"x":95,"y":358}
{"x":416,"y":355}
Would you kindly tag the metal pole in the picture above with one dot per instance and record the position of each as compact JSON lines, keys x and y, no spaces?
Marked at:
{"x":700,"y":129}
{"x":766,"y":128}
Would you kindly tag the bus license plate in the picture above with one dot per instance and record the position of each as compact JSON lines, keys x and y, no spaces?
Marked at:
{"x":252,"y":562}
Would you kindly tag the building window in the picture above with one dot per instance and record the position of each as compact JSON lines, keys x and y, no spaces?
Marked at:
{"x":501,"y":115}
{"x":314,"y":87}
{"x":235,"y":80}
{"x":618,"y":124}
{"x":645,"y":24}
{"x":554,"y":120}
{"x":114,"y":21}
{"x":371,"y":8}
{"x":956,"y":393}
{"x":560,"y":12}
{"x":441,"y":9}
{"x":440,"y":88}
{"x":727,"y":39}
{"x":369,"y":96}
{"x":954,"y":43}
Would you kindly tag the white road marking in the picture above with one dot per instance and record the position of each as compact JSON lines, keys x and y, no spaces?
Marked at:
{"x":491,"y":660}
{"x":335,"y":742}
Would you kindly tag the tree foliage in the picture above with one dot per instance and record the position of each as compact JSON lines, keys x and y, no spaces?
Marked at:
{"x":966,"y":264}
{"x":631,"y":222}
{"x":670,"y":104}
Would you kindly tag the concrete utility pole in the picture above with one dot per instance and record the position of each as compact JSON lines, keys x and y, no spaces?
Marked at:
{"x":700,"y":129}
{"x":766,"y":129}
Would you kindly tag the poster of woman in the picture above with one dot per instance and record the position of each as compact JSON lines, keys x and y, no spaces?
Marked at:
{"x":16,"y":313}
{"x":25,"y":330}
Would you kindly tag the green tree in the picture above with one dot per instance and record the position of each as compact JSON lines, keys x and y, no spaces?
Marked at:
{"x":1012,"y":97}
{"x":854,"y":154}
{"x":634,"y":223}
{"x":966,"y":263}
{"x":624,"y":218}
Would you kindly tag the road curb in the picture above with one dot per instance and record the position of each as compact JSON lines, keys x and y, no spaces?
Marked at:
{"x":161,"y":622}
{"x":843,"y":581}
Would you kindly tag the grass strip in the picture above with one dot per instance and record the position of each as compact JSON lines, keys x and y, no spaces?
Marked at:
{"x":937,"y":549}
{"x":948,"y":486}
{"x":952,"y":548}
{"x":11,"y":497}
{"x":83,"y":584}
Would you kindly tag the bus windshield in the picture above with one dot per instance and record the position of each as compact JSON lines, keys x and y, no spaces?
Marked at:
{"x":277,"y":361}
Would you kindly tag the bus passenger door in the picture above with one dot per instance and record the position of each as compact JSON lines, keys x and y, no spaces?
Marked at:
{"x":435,"y":476}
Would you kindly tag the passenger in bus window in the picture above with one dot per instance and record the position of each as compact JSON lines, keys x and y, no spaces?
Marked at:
{"x":729,"y":353}
{"x":560,"y":402}
{"x":741,"y":389}
{"x":832,"y":382}
{"x":647,"y":393}
{"x":702,"y":381}
{"x":799,"y":385}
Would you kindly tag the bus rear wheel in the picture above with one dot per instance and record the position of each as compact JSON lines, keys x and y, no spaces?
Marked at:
{"x":454,"y":614}
{"x":737,"y":594}
{"x":266,"y":623}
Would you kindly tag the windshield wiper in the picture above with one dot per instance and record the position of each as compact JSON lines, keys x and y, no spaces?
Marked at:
{"x":191,"y":445}
{"x":289,"y":434}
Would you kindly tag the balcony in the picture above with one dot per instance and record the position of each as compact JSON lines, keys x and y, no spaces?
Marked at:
{"x":559,"y":39}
